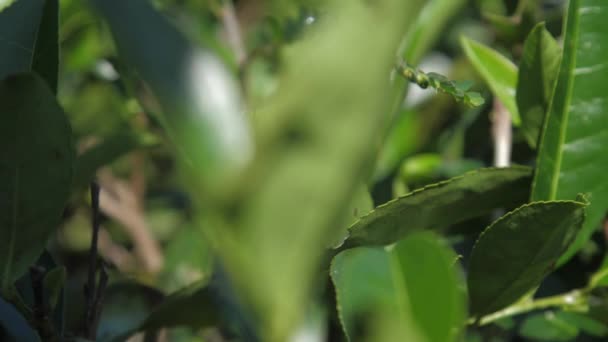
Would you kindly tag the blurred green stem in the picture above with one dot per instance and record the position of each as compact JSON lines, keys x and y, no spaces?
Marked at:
{"x":571,"y":300}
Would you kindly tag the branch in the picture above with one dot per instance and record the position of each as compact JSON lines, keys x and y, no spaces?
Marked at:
{"x":573,"y":300}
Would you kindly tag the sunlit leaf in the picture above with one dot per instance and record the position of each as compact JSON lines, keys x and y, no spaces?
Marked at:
{"x":571,"y":154}
{"x":439,"y":205}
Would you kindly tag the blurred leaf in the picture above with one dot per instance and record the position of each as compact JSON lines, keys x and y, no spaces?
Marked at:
{"x":571,"y":155}
{"x":548,"y":326}
{"x":187,"y":259}
{"x":537,"y":73}
{"x":403,"y":139}
{"x":30,"y":44}
{"x":420,"y":167}
{"x":428,"y":26}
{"x":313,"y":155}
{"x":409,"y":281}
{"x":515,"y":253}
{"x":36,"y":156}
{"x":439,"y":205}
{"x":54,"y":281}
{"x":13,"y":327}
{"x":53,"y":290}
{"x":125,"y":307}
{"x":499,"y":73}
{"x":102,"y":154}
{"x":200,"y":98}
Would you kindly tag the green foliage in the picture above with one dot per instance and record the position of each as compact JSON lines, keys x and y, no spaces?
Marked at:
{"x":408,"y":281}
{"x":36,"y":167}
{"x":440,"y":205}
{"x":569,"y":158}
{"x":536,"y":79}
{"x":524,"y":245}
{"x":264,"y":157}
{"x":34,"y":46}
{"x":457,"y":89}
{"x":207,"y":124}
{"x":498,"y":72}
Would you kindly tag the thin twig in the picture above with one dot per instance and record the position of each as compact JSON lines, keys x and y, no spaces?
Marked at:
{"x":233,"y":31}
{"x":573,"y":300}
{"x":501,"y":134}
{"x":93,"y":291}
{"x":41,"y":311}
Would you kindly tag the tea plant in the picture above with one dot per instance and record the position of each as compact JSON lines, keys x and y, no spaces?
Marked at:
{"x":250,"y":171}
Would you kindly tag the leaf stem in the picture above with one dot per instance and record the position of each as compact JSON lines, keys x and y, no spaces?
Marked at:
{"x":572,"y":300}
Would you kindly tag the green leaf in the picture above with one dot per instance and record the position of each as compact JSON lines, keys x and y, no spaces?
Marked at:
{"x":547,"y":326}
{"x":192,"y":306}
{"x":536,"y":79}
{"x":203,"y":110}
{"x":514,"y":254}
{"x":428,"y":27}
{"x":28,"y":39}
{"x":571,"y":155}
{"x":53,"y":282}
{"x":499,"y":73}
{"x":408,"y":281}
{"x":36,"y":155}
{"x":439,"y":205}
{"x":313,"y":156}
{"x":125,"y":307}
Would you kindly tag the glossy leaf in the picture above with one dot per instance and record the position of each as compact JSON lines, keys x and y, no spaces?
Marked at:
{"x":30,"y":44}
{"x":537,"y":73}
{"x":408,"y":281}
{"x":571,"y":154}
{"x":36,"y":157}
{"x":203,"y":111}
{"x":439,"y":205}
{"x":514,"y":254}
{"x":499,"y":73}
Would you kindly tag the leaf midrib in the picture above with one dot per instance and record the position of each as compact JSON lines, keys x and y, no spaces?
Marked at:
{"x":526,"y":266}
{"x":565,"y":110}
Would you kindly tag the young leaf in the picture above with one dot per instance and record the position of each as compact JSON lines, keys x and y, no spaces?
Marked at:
{"x":439,"y":205}
{"x":36,"y":157}
{"x":458,"y":89}
{"x":203,"y":110}
{"x":30,"y":44}
{"x":537,"y":74}
{"x":517,"y":251}
{"x":499,"y":73}
{"x":409,"y":282}
{"x":571,"y":155}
